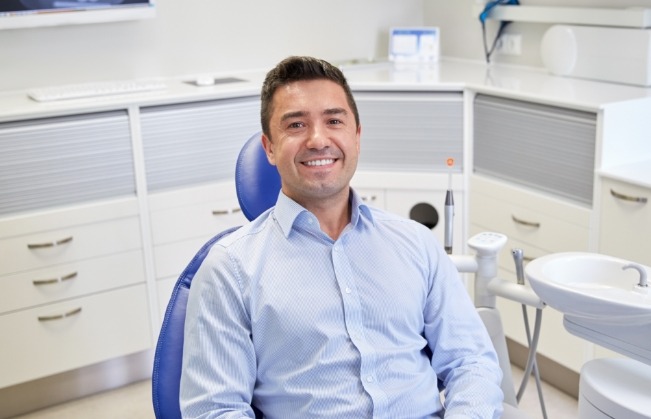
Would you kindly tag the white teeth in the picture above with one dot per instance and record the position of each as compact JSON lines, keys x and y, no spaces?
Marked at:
{"x":321,"y":162}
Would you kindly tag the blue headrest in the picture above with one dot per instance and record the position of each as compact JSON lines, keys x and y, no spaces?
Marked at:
{"x":256,"y":180}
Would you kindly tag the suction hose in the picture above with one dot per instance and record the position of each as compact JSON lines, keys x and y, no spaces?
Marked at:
{"x":532,"y":364}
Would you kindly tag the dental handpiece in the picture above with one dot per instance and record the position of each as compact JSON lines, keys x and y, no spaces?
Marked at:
{"x":518,"y":257}
{"x":449,"y":210}
{"x":449,"y":220}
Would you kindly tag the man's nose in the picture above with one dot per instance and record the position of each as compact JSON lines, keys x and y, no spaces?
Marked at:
{"x":318,"y":138}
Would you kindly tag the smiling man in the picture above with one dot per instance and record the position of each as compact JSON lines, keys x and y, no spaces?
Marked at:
{"x":324,"y":307}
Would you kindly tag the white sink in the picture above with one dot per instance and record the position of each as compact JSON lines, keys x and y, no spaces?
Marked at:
{"x":600,"y":301}
{"x":592,"y":286}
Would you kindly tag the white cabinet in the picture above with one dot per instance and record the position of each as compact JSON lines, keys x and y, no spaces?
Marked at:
{"x":71,"y":249}
{"x":75,"y":290}
{"x":533,"y":181}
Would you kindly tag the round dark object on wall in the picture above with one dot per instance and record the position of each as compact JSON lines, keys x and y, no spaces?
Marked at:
{"x":425,"y":214}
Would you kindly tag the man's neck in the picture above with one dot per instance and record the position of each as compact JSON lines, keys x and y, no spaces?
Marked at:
{"x":333,"y":215}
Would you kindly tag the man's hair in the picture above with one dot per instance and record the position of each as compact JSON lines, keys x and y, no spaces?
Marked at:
{"x":293,"y":69}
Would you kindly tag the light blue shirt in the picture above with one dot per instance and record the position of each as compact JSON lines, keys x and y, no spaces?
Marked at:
{"x":282,"y":316}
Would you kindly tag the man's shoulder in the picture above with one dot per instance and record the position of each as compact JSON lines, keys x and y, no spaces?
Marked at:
{"x":248,"y":231}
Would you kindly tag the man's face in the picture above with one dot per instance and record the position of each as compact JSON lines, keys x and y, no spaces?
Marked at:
{"x":314,"y":140}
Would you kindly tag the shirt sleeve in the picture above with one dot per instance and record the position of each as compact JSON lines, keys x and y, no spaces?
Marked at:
{"x":463,"y":355}
{"x":219,"y":368}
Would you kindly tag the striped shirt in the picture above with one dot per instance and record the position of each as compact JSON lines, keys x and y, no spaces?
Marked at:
{"x":282,"y":317}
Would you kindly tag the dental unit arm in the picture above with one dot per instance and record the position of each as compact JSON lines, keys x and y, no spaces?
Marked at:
{"x":487,"y":287}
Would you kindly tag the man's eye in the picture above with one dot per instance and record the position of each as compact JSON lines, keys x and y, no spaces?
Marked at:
{"x":296,"y":125}
{"x":335,"y":121}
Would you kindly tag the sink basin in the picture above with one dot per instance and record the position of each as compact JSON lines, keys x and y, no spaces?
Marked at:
{"x":591,"y":286}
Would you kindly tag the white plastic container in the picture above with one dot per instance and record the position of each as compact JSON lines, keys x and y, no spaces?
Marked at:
{"x":620,"y":55}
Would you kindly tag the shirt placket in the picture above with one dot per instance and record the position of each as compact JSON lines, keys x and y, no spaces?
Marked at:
{"x":353,"y":318}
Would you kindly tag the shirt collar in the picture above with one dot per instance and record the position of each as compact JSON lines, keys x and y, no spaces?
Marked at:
{"x":287,"y":212}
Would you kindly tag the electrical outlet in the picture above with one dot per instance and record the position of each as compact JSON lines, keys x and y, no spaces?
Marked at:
{"x":509,"y":44}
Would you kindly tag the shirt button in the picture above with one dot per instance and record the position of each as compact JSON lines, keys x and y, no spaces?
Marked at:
{"x":348,"y":290}
{"x":369,"y":379}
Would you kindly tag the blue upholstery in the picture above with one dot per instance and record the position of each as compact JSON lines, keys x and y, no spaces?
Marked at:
{"x":258,"y":184}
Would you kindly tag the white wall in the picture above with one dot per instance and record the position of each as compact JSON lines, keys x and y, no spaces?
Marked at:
{"x":461,"y":34}
{"x":202,"y":36}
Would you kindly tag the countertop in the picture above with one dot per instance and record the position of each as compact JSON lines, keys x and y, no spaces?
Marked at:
{"x":447,"y":75}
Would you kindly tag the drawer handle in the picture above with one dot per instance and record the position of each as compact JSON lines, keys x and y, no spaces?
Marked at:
{"x":372,"y":198}
{"x":640,"y":199}
{"x":54,"y":280}
{"x":59,"y":316}
{"x":50,"y":244}
{"x":226,"y":211}
{"x":525,"y":223}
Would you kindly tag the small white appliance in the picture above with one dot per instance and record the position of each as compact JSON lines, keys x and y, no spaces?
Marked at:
{"x":620,"y":55}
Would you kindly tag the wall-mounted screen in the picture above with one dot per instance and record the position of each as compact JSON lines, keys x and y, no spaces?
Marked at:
{"x":32,"y":13}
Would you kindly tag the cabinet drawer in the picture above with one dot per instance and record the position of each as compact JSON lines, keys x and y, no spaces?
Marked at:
{"x":99,"y":327}
{"x":625,"y":221}
{"x":544,"y":222}
{"x":194,"y":212}
{"x":66,"y":245}
{"x":55,"y":283}
{"x":195,"y":221}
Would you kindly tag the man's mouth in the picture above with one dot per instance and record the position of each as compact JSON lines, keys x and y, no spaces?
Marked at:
{"x":320,"y":162}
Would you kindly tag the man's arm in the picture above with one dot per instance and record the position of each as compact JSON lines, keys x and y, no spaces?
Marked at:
{"x":463,"y":354}
{"x":219,"y":369}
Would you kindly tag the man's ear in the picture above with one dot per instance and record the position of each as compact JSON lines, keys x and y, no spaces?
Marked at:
{"x":359,"y":136}
{"x":268,"y":149}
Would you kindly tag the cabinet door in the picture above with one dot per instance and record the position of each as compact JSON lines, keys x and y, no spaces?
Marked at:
{"x":545,"y":148}
{"x":194,"y":143}
{"x":410,"y":132}
{"x":625,"y":221}
{"x":60,"y":161}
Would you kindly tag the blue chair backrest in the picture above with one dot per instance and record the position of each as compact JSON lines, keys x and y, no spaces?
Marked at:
{"x":257,"y":183}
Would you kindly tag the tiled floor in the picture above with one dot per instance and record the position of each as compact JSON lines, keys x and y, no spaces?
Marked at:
{"x":134,"y":402}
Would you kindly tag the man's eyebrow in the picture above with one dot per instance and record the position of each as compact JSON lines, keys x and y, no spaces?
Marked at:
{"x":296,"y":114}
{"x":335,"y":111}
{"x":300,"y":114}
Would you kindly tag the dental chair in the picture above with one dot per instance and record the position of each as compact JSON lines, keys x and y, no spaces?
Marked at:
{"x":257,"y":184}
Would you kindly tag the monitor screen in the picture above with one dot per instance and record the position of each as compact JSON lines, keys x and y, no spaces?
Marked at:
{"x":33,"y":13}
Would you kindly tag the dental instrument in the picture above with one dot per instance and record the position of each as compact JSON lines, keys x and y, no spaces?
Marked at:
{"x":487,"y":286}
{"x":449,"y":209}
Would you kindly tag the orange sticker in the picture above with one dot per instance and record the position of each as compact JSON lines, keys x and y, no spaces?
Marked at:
{"x":450,"y":162}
